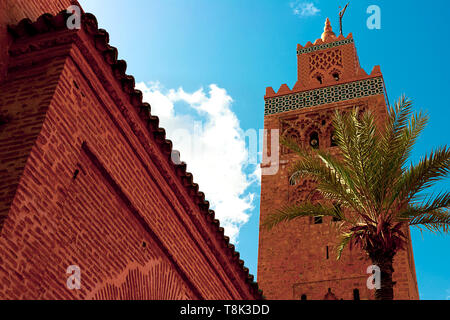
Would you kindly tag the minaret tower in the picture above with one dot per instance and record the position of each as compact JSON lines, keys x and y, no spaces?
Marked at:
{"x":297,"y":259}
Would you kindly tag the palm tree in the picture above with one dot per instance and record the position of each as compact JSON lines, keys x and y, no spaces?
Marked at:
{"x":379,"y":192}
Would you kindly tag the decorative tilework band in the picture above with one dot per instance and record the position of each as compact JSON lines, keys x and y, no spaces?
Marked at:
{"x":325,"y":46}
{"x":342,"y":92}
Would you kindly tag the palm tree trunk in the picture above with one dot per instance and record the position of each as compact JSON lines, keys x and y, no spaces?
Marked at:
{"x":386,"y":290}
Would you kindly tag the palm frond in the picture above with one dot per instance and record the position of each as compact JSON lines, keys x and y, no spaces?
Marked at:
{"x":397,"y":177}
{"x":432,"y":213}
{"x":331,"y":180}
{"x":355,"y":139}
{"x":342,"y":188}
{"x":343,"y":242}
{"x":423,"y":175}
{"x":371,"y":179}
{"x":416,"y":125}
{"x":395,"y":126}
{"x":394,"y":140}
{"x":306,"y":209}
{"x":436,"y":221}
{"x":293,"y":145}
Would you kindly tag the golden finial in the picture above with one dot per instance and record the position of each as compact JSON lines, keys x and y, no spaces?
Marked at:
{"x":328,"y":33}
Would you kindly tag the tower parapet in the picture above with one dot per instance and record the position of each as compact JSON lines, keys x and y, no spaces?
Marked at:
{"x":331,"y":60}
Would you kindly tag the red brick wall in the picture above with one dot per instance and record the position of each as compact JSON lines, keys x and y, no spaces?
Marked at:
{"x":24,"y":100}
{"x":12,"y":11}
{"x":96,"y":190}
{"x":4,"y":41}
{"x":17,"y":10}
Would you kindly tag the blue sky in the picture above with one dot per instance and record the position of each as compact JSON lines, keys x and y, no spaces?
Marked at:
{"x":205,"y":64}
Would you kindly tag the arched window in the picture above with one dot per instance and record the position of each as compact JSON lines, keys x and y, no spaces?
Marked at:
{"x":335,"y":74}
{"x":292,"y":135}
{"x":314,"y":140}
{"x":330,"y":295}
{"x":303,"y":297}
{"x":356,"y":294}
{"x":318,"y":77}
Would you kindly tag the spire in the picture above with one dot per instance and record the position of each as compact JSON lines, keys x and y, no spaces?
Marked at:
{"x":328,"y":34}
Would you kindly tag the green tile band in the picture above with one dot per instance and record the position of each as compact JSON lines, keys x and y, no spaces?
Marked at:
{"x":342,"y":92}
{"x":325,"y":46}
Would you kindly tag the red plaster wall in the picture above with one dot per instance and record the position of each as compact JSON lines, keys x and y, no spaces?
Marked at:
{"x":89,"y":186}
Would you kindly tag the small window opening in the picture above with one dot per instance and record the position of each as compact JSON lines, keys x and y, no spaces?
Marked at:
{"x":314,"y":140}
{"x":356,"y":294}
{"x":319,"y":78}
{"x":336,"y":76}
{"x":75,"y":174}
{"x":318,"y":220}
{"x":333,"y":140}
{"x":144,"y":244}
{"x":303,"y":297}
{"x":328,"y":254}
{"x":4,"y":119}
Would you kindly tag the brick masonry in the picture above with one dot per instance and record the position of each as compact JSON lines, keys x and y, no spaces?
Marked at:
{"x":12,"y":11}
{"x":298,"y":258}
{"x":87,"y":180}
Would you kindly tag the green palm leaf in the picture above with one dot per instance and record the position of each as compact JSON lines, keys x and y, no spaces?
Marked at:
{"x":306,"y":209}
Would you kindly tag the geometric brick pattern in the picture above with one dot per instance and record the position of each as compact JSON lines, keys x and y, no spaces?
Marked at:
{"x":325,"y":60}
{"x":156,"y":281}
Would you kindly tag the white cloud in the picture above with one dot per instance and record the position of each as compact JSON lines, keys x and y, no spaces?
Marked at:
{"x":304,"y":9}
{"x":255,"y":176}
{"x":208,"y":135}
